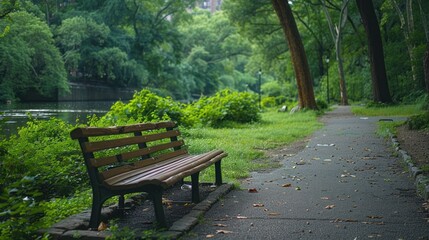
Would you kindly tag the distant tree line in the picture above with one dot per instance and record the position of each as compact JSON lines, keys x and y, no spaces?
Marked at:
{"x":178,"y":50}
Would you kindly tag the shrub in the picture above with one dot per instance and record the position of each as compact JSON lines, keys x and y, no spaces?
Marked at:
{"x":420,"y":121}
{"x":40,"y":163}
{"x":43,"y":148}
{"x":269,"y":102}
{"x":321,"y":104}
{"x":225,"y":106}
{"x":144,"y":107}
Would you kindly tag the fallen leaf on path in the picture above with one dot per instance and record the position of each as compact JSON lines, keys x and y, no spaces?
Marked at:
{"x":210,"y":236}
{"x":241,"y":217}
{"x":223,"y":231}
{"x":330,"y":207}
{"x":102,"y":227}
{"x":375,"y":235}
{"x":219,"y":225}
{"x":252,"y":190}
{"x":298,"y":188}
{"x":258,"y":205}
{"x":338,"y":220}
{"x":426,"y":206}
{"x":273,"y":214}
{"x":375,"y":217}
{"x":287,"y":185}
{"x":302,"y":162}
{"x":374,"y":223}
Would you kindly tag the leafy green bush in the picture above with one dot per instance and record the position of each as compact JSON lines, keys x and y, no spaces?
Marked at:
{"x":269,"y":102}
{"x":44,"y":149}
{"x":144,"y":107}
{"x":19,"y":210}
{"x":321,"y":104}
{"x":420,"y":121}
{"x":225,"y":106}
{"x":281,"y":100}
{"x":39,"y":163}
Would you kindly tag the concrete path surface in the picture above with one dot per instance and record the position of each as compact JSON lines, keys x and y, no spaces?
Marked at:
{"x":346,"y":184}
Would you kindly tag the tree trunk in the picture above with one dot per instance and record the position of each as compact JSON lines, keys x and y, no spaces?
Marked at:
{"x":299,"y":59}
{"x":343,"y":88}
{"x":336,"y":33}
{"x":380,"y":87}
{"x":407,"y":27}
{"x":426,"y":56}
{"x":426,"y":67}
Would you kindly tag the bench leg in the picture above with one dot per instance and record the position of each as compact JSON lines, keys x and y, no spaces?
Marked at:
{"x":97,"y":204}
{"x":218,"y":173}
{"x":195,"y":187}
{"x":121,"y":202}
{"x":159,"y":209}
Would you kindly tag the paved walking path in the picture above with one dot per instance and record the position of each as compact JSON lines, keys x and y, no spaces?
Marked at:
{"x":346,"y":184}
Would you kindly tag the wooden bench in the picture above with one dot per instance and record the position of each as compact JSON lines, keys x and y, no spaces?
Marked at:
{"x":147,"y":157}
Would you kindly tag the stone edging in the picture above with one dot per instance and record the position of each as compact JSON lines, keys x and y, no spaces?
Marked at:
{"x":421,"y":181}
{"x":72,"y":227}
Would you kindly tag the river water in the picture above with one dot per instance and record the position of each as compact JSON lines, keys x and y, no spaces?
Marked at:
{"x":16,"y":114}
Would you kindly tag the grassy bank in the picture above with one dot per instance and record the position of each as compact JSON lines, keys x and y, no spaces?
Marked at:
{"x":246,"y":143}
{"x":399,"y":110}
{"x":384,"y":128}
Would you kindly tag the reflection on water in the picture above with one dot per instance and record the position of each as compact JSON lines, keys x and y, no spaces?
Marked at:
{"x":16,"y":115}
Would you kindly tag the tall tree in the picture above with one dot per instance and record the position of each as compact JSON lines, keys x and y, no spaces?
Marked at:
{"x":426,"y":56}
{"x":299,"y":59}
{"x":29,"y":60}
{"x":407,"y":26}
{"x":380,"y":87}
{"x":336,"y":33}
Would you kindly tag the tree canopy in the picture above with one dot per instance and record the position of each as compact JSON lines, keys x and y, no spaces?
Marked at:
{"x":179,"y":50}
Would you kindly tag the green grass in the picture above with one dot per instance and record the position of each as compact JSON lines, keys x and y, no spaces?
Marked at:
{"x":400,"y":110}
{"x":385,"y":128}
{"x":247,"y":143}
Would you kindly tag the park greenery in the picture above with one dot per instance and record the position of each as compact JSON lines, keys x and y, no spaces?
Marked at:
{"x":184,"y":52}
{"x":44,"y":179}
{"x":201,"y":69}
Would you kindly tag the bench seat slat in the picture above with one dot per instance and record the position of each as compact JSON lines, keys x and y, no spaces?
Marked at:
{"x":162,"y":173}
{"x":106,"y":144}
{"x":173,"y":179}
{"x":115,"y":171}
{"x":105,"y":161}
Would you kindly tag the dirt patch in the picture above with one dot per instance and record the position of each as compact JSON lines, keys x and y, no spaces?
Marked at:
{"x":416,"y":144}
{"x":273,"y":157}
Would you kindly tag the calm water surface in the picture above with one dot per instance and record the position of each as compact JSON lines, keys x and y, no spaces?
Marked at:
{"x":16,"y":114}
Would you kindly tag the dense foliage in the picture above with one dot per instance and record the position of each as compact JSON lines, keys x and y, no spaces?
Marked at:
{"x":186,"y":52}
{"x":29,"y":60}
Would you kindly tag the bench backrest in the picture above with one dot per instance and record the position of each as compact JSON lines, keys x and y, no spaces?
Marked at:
{"x":109,"y":151}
